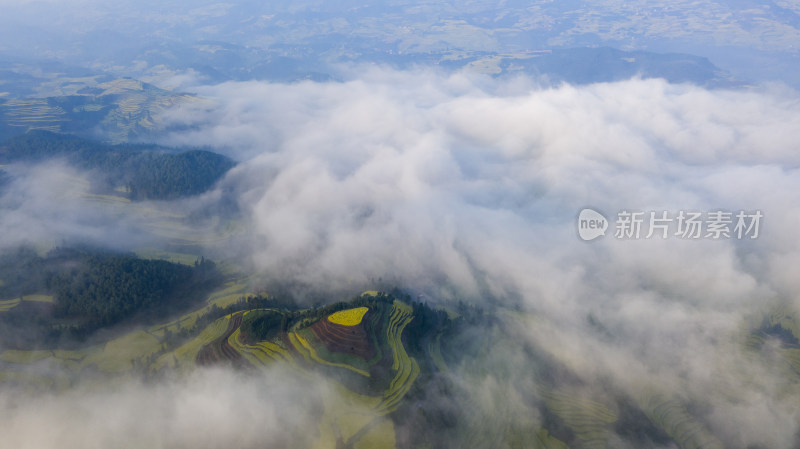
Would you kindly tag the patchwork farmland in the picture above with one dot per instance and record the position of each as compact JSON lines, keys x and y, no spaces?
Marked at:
{"x":381,"y":355}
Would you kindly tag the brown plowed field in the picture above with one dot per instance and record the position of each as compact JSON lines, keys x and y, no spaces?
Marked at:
{"x":344,"y":339}
{"x":220,"y":350}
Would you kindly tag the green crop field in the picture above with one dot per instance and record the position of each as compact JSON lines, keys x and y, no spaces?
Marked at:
{"x":405,"y":367}
{"x":186,"y":354}
{"x":8,"y":304}
{"x":22,"y":357}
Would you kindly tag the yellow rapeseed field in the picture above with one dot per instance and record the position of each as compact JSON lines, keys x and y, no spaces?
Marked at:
{"x":349,"y":317}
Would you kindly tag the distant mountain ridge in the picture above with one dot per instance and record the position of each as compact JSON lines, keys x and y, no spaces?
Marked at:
{"x":606,"y":64}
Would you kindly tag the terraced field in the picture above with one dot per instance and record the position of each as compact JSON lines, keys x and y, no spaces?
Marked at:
{"x":186,"y":354}
{"x":139,"y":107}
{"x":9,"y":304}
{"x":670,"y":415}
{"x":123,"y":108}
{"x":367,"y":355}
{"x":346,"y":339}
{"x":309,"y":351}
{"x":779,"y":333}
{"x":220,"y":349}
{"x":589,"y":419}
{"x":406,"y":368}
{"x":371,"y":345}
{"x":262,"y":352}
{"x":33,"y":113}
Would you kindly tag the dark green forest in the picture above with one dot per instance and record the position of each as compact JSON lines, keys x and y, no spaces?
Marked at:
{"x":140,"y":171}
{"x":93,"y":289}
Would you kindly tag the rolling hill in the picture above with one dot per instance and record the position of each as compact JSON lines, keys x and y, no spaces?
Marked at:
{"x":120,"y":110}
{"x":390,"y":361}
{"x":135,"y":172}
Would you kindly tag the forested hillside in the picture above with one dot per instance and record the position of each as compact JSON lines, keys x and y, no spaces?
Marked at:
{"x":73,"y":292}
{"x":137,"y":172}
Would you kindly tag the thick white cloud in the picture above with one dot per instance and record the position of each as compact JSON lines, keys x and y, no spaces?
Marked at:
{"x":207,"y":409}
{"x":421,"y":174}
{"x":464,"y":186}
{"x":471,"y":186}
{"x":52,"y":203}
{"x":49,"y":203}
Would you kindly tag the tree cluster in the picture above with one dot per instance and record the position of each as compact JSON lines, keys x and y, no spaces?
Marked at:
{"x":94,"y":289}
{"x":107,"y":288}
{"x":142,"y":171}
